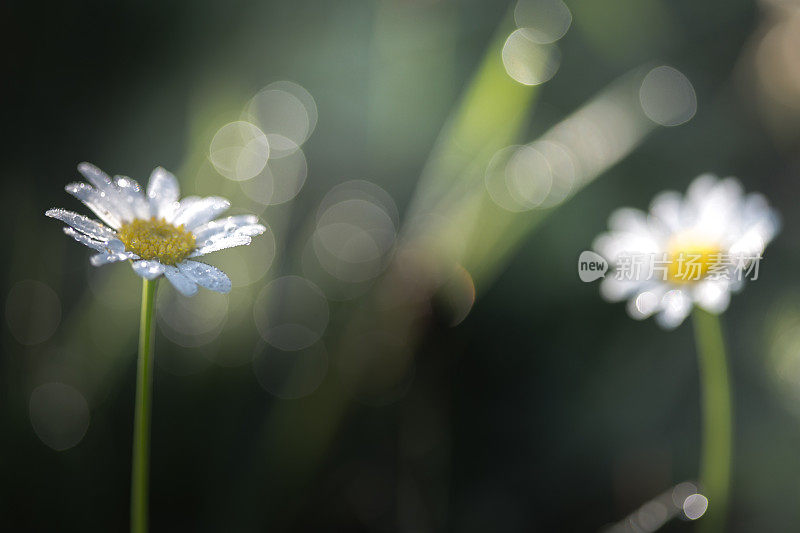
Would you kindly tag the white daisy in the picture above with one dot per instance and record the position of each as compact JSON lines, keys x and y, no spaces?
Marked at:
{"x":706,"y":229}
{"x":159,"y":234}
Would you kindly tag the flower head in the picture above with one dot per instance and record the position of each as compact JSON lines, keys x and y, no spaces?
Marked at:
{"x":692,"y":249}
{"x":156,"y":231}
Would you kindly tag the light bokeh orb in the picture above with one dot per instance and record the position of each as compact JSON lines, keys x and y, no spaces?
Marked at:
{"x":286,"y":113}
{"x":59,"y":415}
{"x":695,"y":506}
{"x":518,"y":178}
{"x":529,"y":62}
{"x":356,"y":230}
{"x":239,"y":150}
{"x":291,"y":313}
{"x":543,"y":21}
{"x":190,"y":322}
{"x":280,"y":180}
{"x":667,"y":97}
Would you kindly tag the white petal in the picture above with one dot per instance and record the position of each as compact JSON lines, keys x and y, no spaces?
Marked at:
{"x":238,"y":224}
{"x":759,"y":226}
{"x":116,"y":246}
{"x":108,"y":188}
{"x":667,"y":209}
{"x":200,"y":211}
{"x":718,"y":211}
{"x":629,"y":220}
{"x":83,"y":239}
{"x":113,"y":257}
{"x":206,"y":276}
{"x":646,"y":302}
{"x":183,"y":284}
{"x":92,"y":228}
{"x":148,"y":269}
{"x":97,"y":201}
{"x":162,"y":192}
{"x":182,"y":206}
{"x":96,"y":177}
{"x":700,"y":187}
{"x":713,"y":295}
{"x":676,"y":305}
{"x":130,"y":192}
{"x":215,"y":244}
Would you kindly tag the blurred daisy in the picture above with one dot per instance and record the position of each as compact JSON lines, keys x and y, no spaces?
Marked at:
{"x":696,"y":249}
{"x":156,"y":232}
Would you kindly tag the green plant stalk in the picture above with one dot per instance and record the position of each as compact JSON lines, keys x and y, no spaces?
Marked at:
{"x":140,"y":469}
{"x":715,"y":467}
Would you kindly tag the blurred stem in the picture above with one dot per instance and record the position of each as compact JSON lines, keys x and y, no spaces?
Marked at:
{"x":715,"y":469}
{"x":140,"y":471}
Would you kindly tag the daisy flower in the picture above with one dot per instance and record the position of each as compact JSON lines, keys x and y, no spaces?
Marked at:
{"x":158,"y":233}
{"x":697,"y":247}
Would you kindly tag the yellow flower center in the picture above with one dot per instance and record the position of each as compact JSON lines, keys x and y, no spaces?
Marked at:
{"x":157,"y":239}
{"x":691,"y":258}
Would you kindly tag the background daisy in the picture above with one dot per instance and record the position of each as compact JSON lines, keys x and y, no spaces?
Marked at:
{"x":704,"y":240}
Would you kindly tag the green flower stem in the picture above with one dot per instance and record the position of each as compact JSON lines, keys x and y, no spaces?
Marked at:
{"x":715,"y":468}
{"x":140,"y":471}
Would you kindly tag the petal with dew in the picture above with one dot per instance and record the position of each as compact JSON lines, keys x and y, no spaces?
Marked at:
{"x":131,"y":194}
{"x":180,"y":281}
{"x":96,"y":177}
{"x":206,"y":276}
{"x":85,"y":240}
{"x":114,"y":257}
{"x":85,"y":225}
{"x":200,"y":212}
{"x":97,"y":202}
{"x":182,"y":206}
{"x":162,"y":192}
{"x":148,"y":269}
{"x":116,"y":246}
{"x":233,"y":225}
{"x":106,"y":186}
{"x":213,"y":245}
